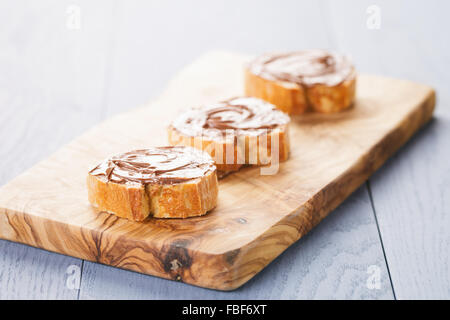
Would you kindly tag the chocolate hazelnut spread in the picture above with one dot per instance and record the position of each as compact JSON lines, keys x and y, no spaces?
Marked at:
{"x":237,"y":116}
{"x":162,"y":165}
{"x":305,"y":68}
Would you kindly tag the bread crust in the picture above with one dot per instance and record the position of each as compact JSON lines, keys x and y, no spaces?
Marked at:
{"x":248,"y":150}
{"x":295,"y":99}
{"x":136,"y":202}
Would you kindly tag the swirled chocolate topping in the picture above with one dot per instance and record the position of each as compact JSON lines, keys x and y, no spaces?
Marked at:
{"x":245,"y":115}
{"x":163,"y":165}
{"x":306,"y":68}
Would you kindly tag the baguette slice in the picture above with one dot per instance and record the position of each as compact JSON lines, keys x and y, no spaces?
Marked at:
{"x":300,"y":81}
{"x":191,"y":189}
{"x":237,"y":132}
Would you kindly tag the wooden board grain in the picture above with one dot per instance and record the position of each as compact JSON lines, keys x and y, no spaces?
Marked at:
{"x":330,"y":262}
{"x":257,"y":217}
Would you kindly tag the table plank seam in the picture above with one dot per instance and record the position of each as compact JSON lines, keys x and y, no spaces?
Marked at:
{"x":380,"y":237}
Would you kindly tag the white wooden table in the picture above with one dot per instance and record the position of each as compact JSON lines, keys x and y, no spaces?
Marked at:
{"x":67,"y":65}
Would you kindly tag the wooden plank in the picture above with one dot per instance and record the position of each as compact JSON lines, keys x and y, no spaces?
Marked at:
{"x":30,"y":273}
{"x":410,"y":192}
{"x":331,"y":262}
{"x":260,"y":216}
{"x":155,"y":39}
{"x":46,"y":99}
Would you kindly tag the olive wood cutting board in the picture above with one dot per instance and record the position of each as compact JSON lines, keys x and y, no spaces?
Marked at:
{"x":257,"y":217}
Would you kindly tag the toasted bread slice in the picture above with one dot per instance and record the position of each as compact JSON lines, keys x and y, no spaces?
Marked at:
{"x":189,"y":190}
{"x":230,"y":155}
{"x":232,"y":143}
{"x":296,"y":93}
